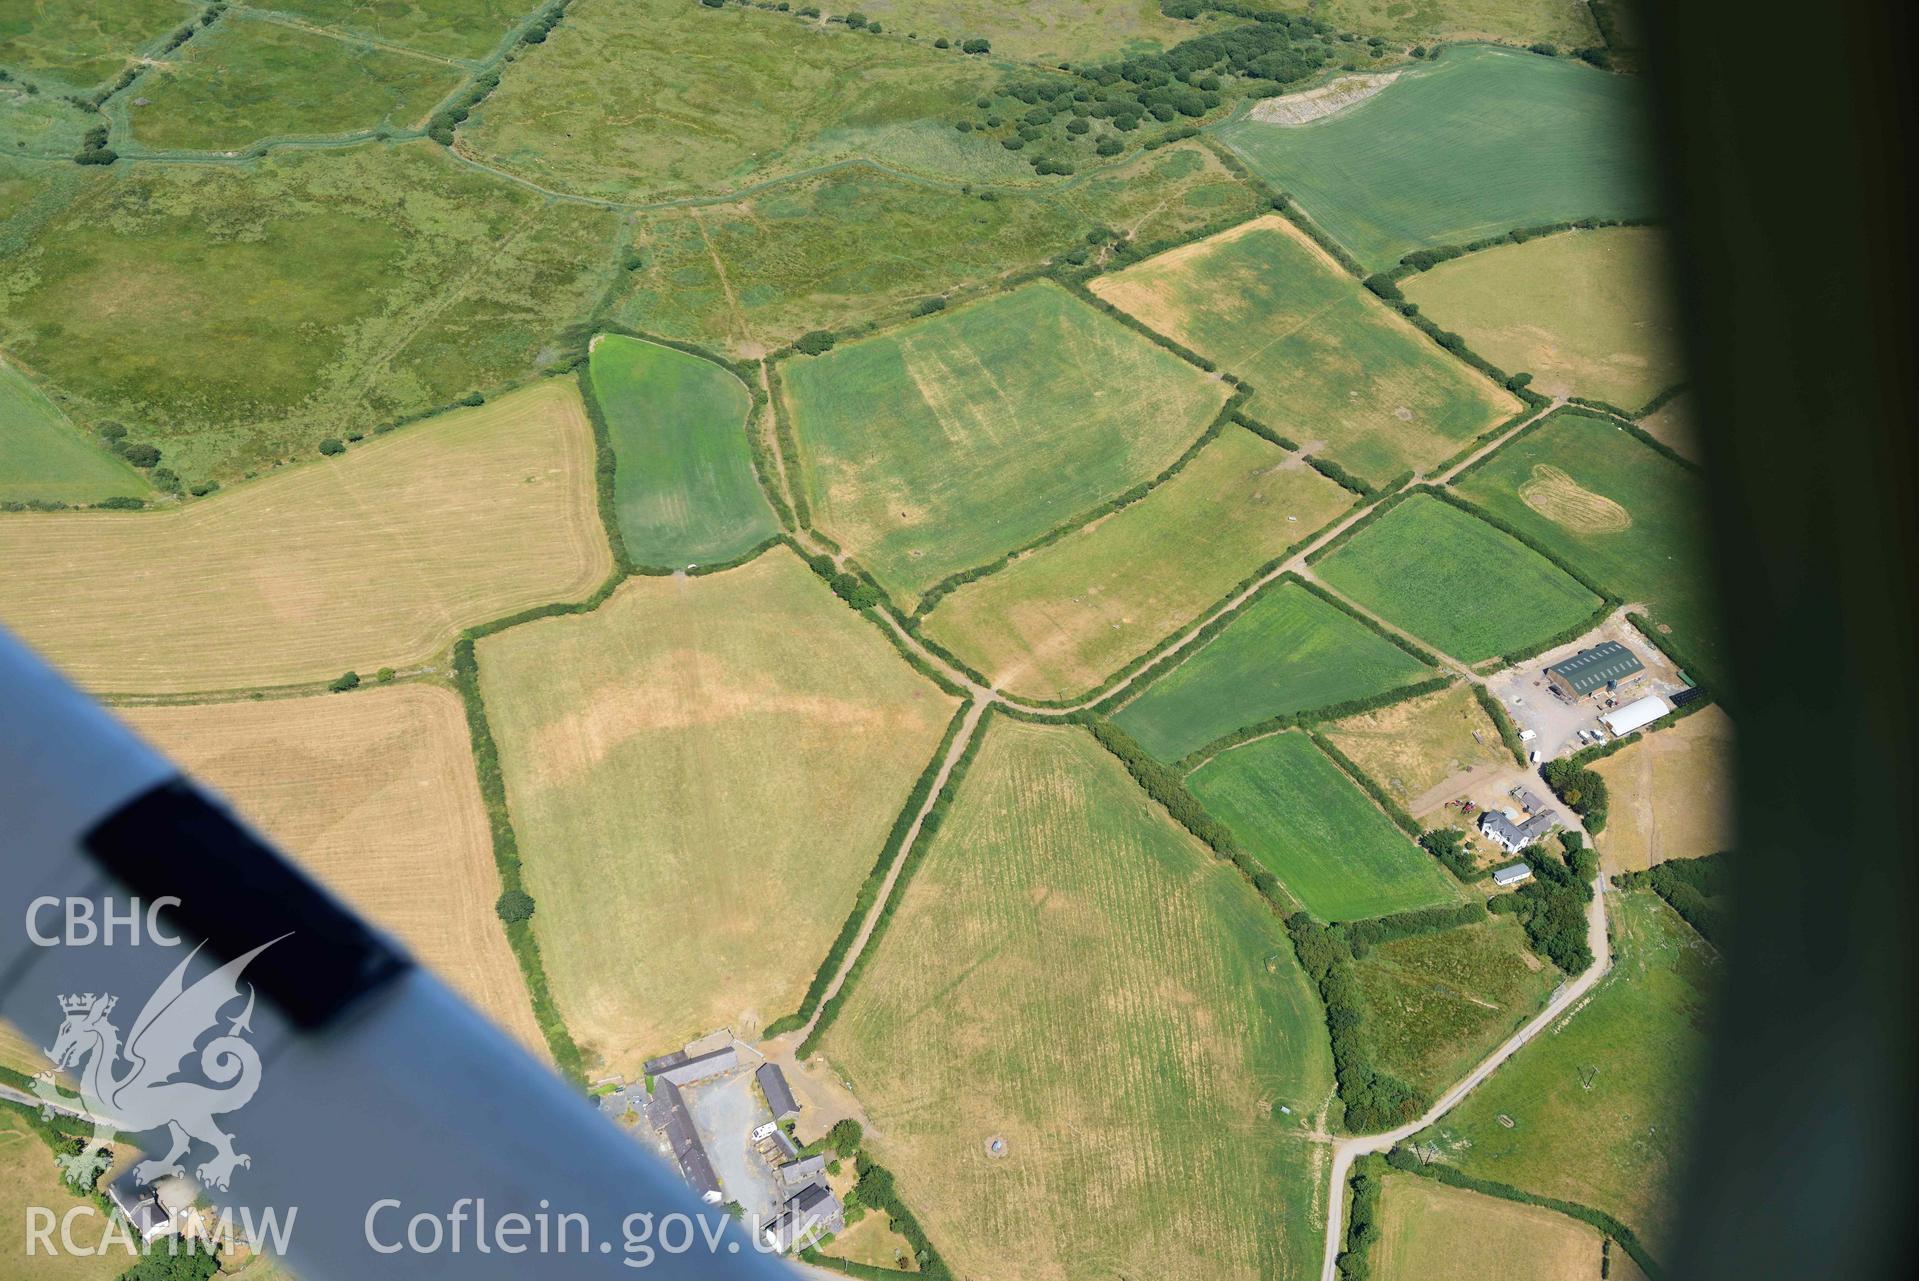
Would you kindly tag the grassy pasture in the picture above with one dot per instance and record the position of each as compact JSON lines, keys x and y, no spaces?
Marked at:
{"x":450,"y":28}
{"x":1299,"y":814}
{"x":1672,"y":794}
{"x":1287,"y":651}
{"x":1079,"y":30}
{"x":60,"y":44}
{"x":1436,"y":1004}
{"x":1455,"y":582}
{"x":684,"y":488}
{"x":1058,"y":620}
{"x":1627,"y":516}
{"x":1567,"y":23}
{"x":39,"y":124}
{"x":1585,"y":312}
{"x":1475,"y":144}
{"x":1411,"y":748}
{"x":650,"y":99}
{"x":941,"y":445}
{"x":243,"y":80}
{"x":311,"y":294}
{"x":375,"y":794}
{"x":844,"y":247}
{"x":701,"y":772}
{"x":43,"y":456}
{"x":1138,"y":1088}
{"x":1331,"y":366}
{"x":376,"y":558}
{"x":1601,"y":1104}
{"x":1432,"y":1232}
{"x":29,"y":1178}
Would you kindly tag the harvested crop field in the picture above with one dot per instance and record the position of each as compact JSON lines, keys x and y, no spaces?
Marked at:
{"x":1627,"y":516}
{"x":1437,"y":1004}
{"x":1287,"y":651}
{"x":1585,"y":312}
{"x":1138,"y":1089}
{"x":943,"y":445}
{"x":701,"y":772}
{"x":683,"y":488}
{"x":375,"y":794}
{"x":1455,"y":582}
{"x":1412,"y":748}
{"x":375,"y":558}
{"x":1058,"y":620}
{"x":1331,"y":366}
{"x":1475,"y":144}
{"x":1600,"y":1105}
{"x":1432,"y":1232}
{"x":245,"y":80}
{"x":44,"y":457}
{"x":1296,"y":812}
{"x":1672,"y":794}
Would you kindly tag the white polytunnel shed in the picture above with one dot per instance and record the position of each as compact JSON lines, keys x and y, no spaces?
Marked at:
{"x":1636,"y":715}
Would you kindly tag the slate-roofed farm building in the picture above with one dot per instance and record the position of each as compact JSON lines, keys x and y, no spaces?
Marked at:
{"x":779,"y":1095}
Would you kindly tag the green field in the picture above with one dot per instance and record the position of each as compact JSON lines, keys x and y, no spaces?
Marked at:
{"x":701,"y":773}
{"x":1455,"y":582}
{"x":1585,"y":312}
{"x":39,"y":124}
{"x":1049,"y":33}
{"x":310,"y":294}
{"x":1330,"y":365}
{"x":243,"y":80}
{"x":684,"y":488}
{"x":1430,"y":1231}
{"x":1058,"y":620}
{"x":78,"y":46}
{"x":943,"y":445}
{"x":1148,"y":1073}
{"x":1566,"y":22}
{"x":29,"y":1180}
{"x":1600,"y":1106}
{"x":43,"y":457}
{"x":1480,"y":142}
{"x":1288,"y":651}
{"x":1436,"y":1004}
{"x":844,"y":247}
{"x":451,"y":28}
{"x":1627,"y":516}
{"x":649,"y":99}
{"x":1295,"y":811}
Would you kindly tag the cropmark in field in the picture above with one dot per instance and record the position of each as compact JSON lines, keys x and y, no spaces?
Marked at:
{"x":373,"y":559}
{"x":1136,"y":1092}
{"x":375,"y":794}
{"x":684,"y":488}
{"x":1330,"y":365}
{"x":701,"y":772}
{"x":1627,"y":516}
{"x":943,"y":445}
{"x":1294,"y":810}
{"x":1432,"y":1232}
{"x":1455,"y":582}
{"x":1475,"y":144}
{"x":1059,"y":619}
{"x":1586,"y":313}
{"x":1287,"y":651}
{"x":1595,"y":1110}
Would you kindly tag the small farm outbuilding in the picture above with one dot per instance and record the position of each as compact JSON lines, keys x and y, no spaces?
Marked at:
{"x":779,"y":1095}
{"x":1512,"y":874}
{"x":1636,"y":715}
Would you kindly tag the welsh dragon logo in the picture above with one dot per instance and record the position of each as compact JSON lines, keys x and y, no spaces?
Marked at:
{"x":131,"y":1087}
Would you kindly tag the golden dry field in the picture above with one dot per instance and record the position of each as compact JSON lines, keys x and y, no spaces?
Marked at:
{"x":1432,"y":1232}
{"x":1672,"y":794}
{"x":29,"y":1178}
{"x":374,"y":558}
{"x":374,"y":793}
{"x":701,"y":773}
{"x":1411,"y":749}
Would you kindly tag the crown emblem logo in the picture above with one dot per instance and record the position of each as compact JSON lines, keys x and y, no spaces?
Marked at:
{"x":84,"y":1002}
